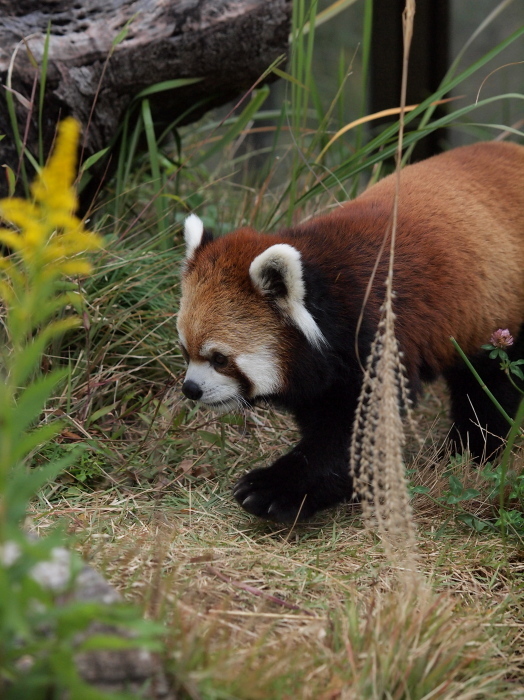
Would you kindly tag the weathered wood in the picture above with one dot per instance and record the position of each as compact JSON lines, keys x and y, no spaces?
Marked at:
{"x":228,"y":43}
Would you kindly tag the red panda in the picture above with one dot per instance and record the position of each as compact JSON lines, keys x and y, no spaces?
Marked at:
{"x":274,"y":316}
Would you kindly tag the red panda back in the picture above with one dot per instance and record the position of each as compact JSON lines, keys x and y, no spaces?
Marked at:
{"x":464,"y":212}
{"x":459,"y":259}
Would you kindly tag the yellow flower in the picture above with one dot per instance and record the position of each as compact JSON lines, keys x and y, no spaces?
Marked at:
{"x":46,"y":233}
{"x":54,"y":185}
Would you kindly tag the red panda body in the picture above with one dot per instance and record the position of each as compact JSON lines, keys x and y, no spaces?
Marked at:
{"x":275,"y":316}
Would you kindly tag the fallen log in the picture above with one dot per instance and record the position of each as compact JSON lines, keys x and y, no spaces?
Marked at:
{"x":102,"y":53}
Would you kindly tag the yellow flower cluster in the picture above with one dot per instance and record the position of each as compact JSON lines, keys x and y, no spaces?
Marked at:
{"x":45,"y":232}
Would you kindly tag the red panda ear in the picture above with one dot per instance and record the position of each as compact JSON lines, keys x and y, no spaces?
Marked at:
{"x":277,"y":273}
{"x":195,"y":235}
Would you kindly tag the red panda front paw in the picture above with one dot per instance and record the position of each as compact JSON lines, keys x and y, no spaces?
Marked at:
{"x":261,"y":494}
{"x":284,"y":494}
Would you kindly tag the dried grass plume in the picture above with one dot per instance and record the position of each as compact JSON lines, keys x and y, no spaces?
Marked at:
{"x":376,"y":452}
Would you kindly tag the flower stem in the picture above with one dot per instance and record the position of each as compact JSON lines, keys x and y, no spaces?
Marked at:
{"x":481,"y":381}
{"x":508,"y":375}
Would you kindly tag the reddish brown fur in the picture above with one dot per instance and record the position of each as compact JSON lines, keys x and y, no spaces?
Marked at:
{"x":473,"y":246}
{"x":219,"y":301}
{"x":459,"y":271}
{"x":444,"y":203}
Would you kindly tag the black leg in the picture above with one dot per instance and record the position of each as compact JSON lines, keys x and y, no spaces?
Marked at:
{"x":313,"y":476}
{"x":471,"y":407}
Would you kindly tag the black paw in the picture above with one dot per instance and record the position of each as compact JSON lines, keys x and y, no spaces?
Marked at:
{"x":263,"y":493}
{"x":286,"y":492}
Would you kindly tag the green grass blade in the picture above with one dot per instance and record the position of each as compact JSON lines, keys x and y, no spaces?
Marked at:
{"x":167,"y":85}
{"x":258,"y":99}
{"x":366,"y":57}
{"x":11,"y":109}
{"x":41,"y":94}
{"x":449,"y":83}
{"x":384,"y":145}
{"x":154,"y":162}
{"x":482,"y":385}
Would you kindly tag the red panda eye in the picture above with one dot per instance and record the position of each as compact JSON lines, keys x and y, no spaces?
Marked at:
{"x":185,"y":353}
{"x":219,"y":360}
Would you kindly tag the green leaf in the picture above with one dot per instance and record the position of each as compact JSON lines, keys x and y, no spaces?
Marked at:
{"x":465,"y":495}
{"x":32,"y":400}
{"x":419,"y":489}
{"x":385,"y":144}
{"x":179,"y":419}
{"x":42,"y":93}
{"x":207,"y":436}
{"x":39,"y":436}
{"x":30,"y":55}
{"x":468,"y":494}
{"x":517,"y":371}
{"x":34,"y":162}
{"x":452,"y":500}
{"x":232,"y":419}
{"x":100,"y":413}
{"x":151,"y":140}
{"x":28,"y":358}
{"x":455,"y":485}
{"x":93,"y":159}
{"x":25,"y":483}
{"x":167,"y":85}
{"x":474,"y":522}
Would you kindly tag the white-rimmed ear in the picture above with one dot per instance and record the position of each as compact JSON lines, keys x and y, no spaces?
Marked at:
{"x":278,"y":274}
{"x":193,"y":234}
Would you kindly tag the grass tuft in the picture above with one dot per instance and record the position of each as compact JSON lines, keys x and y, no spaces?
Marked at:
{"x":253,"y":610}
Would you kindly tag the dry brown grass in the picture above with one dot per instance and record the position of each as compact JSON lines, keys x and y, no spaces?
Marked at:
{"x":317,"y":611}
{"x":254,"y":610}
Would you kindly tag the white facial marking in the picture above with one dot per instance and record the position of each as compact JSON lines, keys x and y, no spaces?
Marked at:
{"x":216,"y":388}
{"x":193,"y":232}
{"x":262,"y":370}
{"x":286,"y":260}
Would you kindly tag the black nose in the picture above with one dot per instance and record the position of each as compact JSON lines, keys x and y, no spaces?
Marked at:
{"x":191,"y":390}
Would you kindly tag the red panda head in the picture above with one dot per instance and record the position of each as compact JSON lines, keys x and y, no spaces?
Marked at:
{"x":241,"y":309}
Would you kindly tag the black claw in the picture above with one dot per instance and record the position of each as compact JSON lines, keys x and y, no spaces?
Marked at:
{"x":249,"y":501}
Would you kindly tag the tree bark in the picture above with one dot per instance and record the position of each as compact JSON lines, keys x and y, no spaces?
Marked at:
{"x":93,"y":73}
